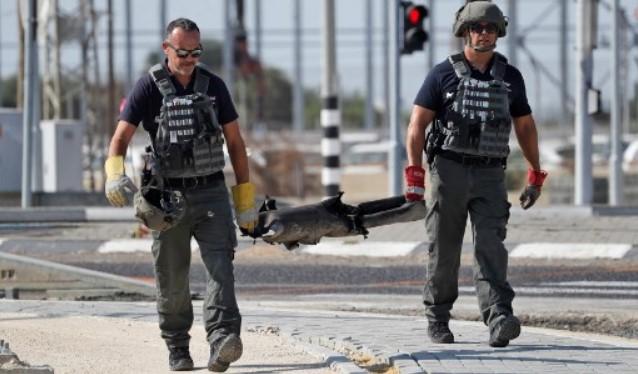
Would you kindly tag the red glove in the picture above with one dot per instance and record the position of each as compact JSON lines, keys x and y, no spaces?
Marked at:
{"x":415,"y":182}
{"x":532,"y":192}
{"x":536,"y":177}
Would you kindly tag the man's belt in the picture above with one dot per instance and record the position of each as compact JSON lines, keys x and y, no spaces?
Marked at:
{"x":472,"y":160}
{"x":194,"y":182}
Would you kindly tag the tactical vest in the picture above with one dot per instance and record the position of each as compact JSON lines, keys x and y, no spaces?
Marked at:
{"x":478,"y":120}
{"x":189,"y":141}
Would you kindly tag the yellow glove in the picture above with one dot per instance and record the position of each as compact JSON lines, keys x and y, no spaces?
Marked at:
{"x":244,"y":200}
{"x":117,"y":183}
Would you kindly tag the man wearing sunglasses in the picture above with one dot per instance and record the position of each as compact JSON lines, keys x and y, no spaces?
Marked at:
{"x":471,"y":99}
{"x":188,"y":114}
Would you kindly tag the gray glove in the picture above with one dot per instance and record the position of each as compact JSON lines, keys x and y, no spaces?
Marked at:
{"x":529,"y":196}
{"x":116,"y":190}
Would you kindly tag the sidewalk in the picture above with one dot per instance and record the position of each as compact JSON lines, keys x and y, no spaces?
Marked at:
{"x":108,"y":337}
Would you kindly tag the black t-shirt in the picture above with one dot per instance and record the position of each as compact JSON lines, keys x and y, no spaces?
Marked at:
{"x":145,"y":100}
{"x":442,"y":81}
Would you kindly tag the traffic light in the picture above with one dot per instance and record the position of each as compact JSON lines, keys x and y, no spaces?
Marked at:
{"x":414,"y":36}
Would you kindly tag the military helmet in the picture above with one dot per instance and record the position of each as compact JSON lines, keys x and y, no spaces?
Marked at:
{"x":479,"y":11}
{"x":159,"y":209}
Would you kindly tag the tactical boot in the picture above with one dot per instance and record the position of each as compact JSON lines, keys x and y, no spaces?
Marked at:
{"x":224,"y":351}
{"x":504,"y":328}
{"x":439,"y":332}
{"x":179,"y":359}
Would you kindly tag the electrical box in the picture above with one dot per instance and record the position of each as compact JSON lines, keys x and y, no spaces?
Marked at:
{"x":10,"y":150}
{"x":62,"y":155}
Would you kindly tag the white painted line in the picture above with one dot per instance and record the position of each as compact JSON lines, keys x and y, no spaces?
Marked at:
{"x":571,"y":250}
{"x":618,"y":284}
{"x":330,"y":176}
{"x":365,"y":248}
{"x":330,"y":147}
{"x":330,"y":117}
{"x":132,"y":245}
{"x":2,"y":240}
{"x":558,"y":290}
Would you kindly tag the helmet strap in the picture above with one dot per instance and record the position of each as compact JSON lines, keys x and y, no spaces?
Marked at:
{"x":468,"y":42}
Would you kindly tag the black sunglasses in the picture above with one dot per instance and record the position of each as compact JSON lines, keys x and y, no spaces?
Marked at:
{"x":183,"y":53}
{"x":477,"y":28}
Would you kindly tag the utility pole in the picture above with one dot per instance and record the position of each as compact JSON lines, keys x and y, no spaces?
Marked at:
{"x":111,"y":74}
{"x":258,"y":29}
{"x":229,"y":45}
{"x":162,"y":19}
{"x":583,"y":183}
{"x":512,"y":30}
{"x":564,"y":72}
{"x":298,"y":99}
{"x":29,"y":102}
{"x":386,"y":64}
{"x":394,"y":156}
{"x":432,"y":36}
{"x":330,"y":113}
{"x":615,"y":136}
{"x":369,"y":108}
{"x":129,"y":45}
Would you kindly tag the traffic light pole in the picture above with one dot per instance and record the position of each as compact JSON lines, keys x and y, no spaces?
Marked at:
{"x":330,"y":113}
{"x":394,"y":157}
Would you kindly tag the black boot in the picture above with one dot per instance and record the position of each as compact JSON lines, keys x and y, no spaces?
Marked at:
{"x":179,"y":359}
{"x":504,"y":328}
{"x":439,"y":332}
{"x":223,"y":351}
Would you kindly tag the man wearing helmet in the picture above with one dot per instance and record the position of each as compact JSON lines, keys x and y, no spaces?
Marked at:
{"x":188,"y":113}
{"x":471,"y":99}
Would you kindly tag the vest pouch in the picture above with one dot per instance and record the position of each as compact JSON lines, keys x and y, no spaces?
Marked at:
{"x":494,"y":139}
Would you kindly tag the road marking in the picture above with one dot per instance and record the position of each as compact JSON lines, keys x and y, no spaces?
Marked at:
{"x":571,"y":250}
{"x":132,"y":245}
{"x":610,"y":284}
{"x":364,"y":248}
{"x":560,"y":290}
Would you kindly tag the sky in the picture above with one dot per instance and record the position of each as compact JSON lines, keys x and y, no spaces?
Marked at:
{"x":540,"y":17}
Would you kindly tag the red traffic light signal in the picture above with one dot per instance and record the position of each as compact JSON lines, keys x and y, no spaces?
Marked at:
{"x":414,"y":35}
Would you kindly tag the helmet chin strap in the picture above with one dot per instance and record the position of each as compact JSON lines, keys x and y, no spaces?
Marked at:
{"x":480,"y":49}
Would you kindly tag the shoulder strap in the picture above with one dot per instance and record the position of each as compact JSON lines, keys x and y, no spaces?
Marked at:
{"x":499,"y":66}
{"x":162,"y":80}
{"x":202,"y":80}
{"x":460,"y":66}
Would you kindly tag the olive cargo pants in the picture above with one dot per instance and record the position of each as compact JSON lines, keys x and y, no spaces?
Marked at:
{"x":453,"y":191}
{"x":209,"y":220}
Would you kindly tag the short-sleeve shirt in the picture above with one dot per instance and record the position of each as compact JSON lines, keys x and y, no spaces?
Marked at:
{"x":441,"y":84}
{"x":144,"y":102}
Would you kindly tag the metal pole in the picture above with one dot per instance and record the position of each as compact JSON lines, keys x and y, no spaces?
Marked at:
{"x":386,"y":64}
{"x":162,"y":20}
{"x":512,"y":38}
{"x":615,"y":156}
{"x":110,"y":116}
{"x":258,"y":29}
{"x":229,"y":44}
{"x":129,"y":45}
{"x":394,"y":158}
{"x":369,"y":109}
{"x":330,"y":113}
{"x":298,"y":101}
{"x":583,"y":183}
{"x":1,"y":87}
{"x":432,"y":37}
{"x":564,"y":72}
{"x":29,"y":102}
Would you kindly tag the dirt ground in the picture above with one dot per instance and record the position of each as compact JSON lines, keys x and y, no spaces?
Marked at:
{"x":110,"y":345}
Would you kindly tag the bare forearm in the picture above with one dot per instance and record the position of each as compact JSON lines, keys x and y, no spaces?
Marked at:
{"x":528,"y":140}
{"x":239,"y":160}
{"x":415,"y":143}
{"x":121,"y":138}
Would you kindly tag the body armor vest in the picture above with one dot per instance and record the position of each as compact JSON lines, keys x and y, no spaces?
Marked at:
{"x":189,"y":141}
{"x":478,"y":120}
